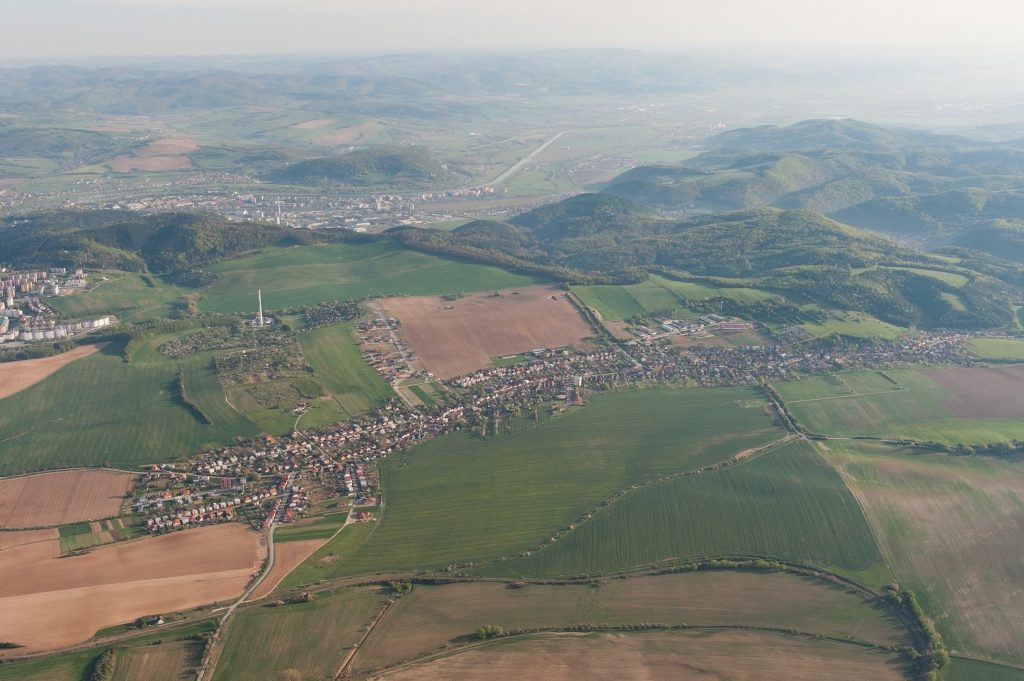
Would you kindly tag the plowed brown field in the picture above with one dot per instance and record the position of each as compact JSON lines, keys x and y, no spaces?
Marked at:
{"x":286,"y":556}
{"x":62,"y":497}
{"x":458,"y":336}
{"x":979,"y":393}
{"x":47,"y":602}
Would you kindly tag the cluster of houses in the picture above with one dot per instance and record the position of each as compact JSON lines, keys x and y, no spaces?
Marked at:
{"x":204,"y":513}
{"x":339,"y":458}
{"x":384,"y":350}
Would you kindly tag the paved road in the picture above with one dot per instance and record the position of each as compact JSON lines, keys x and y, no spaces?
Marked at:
{"x":205,"y":667}
{"x":526,"y":159}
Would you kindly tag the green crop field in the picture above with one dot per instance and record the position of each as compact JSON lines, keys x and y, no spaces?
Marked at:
{"x":918,"y":411}
{"x":128,"y":295}
{"x":997,"y":349}
{"x":101,"y":409}
{"x":430,"y":616}
{"x":787,"y":504}
{"x":321,"y":528}
{"x":164,"y":662}
{"x":967,"y":670}
{"x":945,"y":524}
{"x":657,"y":294}
{"x":312,"y":638}
{"x":334,"y":355}
{"x":301,"y":275}
{"x":462,"y":497}
{"x":321,"y":563}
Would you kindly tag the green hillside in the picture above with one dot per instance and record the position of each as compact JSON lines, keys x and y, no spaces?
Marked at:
{"x":798,"y":255}
{"x":162,"y":242}
{"x":393,"y":166}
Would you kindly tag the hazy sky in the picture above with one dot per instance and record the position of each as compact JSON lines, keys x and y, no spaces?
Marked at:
{"x":35,"y":28}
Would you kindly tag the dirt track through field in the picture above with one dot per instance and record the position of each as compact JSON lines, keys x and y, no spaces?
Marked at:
{"x":62,"y":497}
{"x":47,"y":601}
{"x":16,"y":376}
{"x":978,"y":393}
{"x":458,"y":336}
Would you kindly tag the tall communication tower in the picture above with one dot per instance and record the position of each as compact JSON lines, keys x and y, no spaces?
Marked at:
{"x":259,"y":297}
{"x":279,"y":212}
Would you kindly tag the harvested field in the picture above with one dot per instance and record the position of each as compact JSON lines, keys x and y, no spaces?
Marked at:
{"x":163,"y":154}
{"x":314,"y":124}
{"x":62,"y":497}
{"x":287,"y":555}
{"x":947,"y":526}
{"x":127,"y":164}
{"x":979,"y":393}
{"x":458,"y":336}
{"x":48,"y":602}
{"x":690,"y":656}
{"x":16,"y":376}
{"x":348,"y":135}
{"x":432,"y":617}
{"x":168,"y":147}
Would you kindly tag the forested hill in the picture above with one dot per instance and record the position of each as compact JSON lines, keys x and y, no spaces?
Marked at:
{"x":936,"y":189}
{"x":159,"y":243}
{"x":385,"y":166}
{"x":801,"y":255}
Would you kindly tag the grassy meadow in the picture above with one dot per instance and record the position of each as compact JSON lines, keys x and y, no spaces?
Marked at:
{"x":301,"y":275}
{"x":657,"y":294}
{"x":333,"y":354}
{"x":788,"y":504}
{"x":997,"y":349}
{"x":464,"y":498}
{"x":130,"y":296}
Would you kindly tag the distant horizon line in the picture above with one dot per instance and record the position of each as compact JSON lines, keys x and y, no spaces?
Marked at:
{"x":794,"y":50}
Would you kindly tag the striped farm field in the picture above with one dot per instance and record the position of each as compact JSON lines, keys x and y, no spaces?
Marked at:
{"x":788,"y":504}
{"x":303,"y":275}
{"x":463,"y":498}
{"x":958,"y":404}
{"x":312,"y":638}
{"x":90,"y":412}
